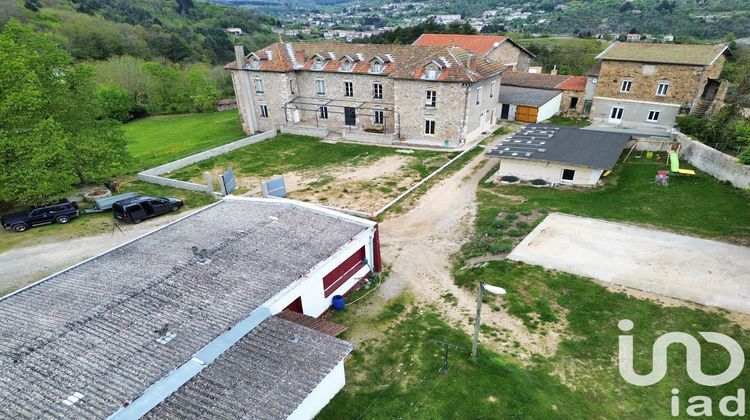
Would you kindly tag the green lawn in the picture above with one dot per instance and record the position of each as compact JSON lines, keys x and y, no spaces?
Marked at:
{"x":698,"y":205}
{"x":157,"y":140}
{"x":287,"y":152}
{"x":567,"y":121}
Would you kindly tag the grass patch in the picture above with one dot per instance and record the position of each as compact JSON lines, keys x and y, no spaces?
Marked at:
{"x":288,"y":153}
{"x":567,"y":121}
{"x":158,"y":140}
{"x":698,"y":205}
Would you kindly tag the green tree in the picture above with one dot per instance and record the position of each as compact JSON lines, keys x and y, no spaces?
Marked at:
{"x":51,"y":136}
{"x":116,"y":102}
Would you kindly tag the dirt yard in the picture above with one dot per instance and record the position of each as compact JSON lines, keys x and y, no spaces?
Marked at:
{"x":708,"y":272}
{"x":364,"y":188}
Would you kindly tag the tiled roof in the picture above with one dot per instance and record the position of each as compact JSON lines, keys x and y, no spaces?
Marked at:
{"x":686,"y":54}
{"x":266,"y":375}
{"x":533,"y":80}
{"x":92,"y":338}
{"x":408,"y":61}
{"x":478,"y":44}
{"x":576,"y":83}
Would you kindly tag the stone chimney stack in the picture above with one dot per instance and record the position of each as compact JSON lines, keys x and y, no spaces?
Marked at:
{"x":554,"y":70}
{"x":239,"y":55}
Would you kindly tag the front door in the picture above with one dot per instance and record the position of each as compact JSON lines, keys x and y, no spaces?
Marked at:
{"x":504,"y":111}
{"x":615,"y":114}
{"x":350,"y":116}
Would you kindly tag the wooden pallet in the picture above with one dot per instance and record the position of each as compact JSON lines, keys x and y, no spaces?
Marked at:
{"x":313,"y":323}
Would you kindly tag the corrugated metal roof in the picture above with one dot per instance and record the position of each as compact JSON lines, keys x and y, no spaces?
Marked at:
{"x":98,"y":329}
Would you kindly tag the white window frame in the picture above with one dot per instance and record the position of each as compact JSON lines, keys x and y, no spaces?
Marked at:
{"x":612,"y":112}
{"x":377,"y":91}
{"x":254,"y":63}
{"x":378,"y":116}
{"x":318,"y":64}
{"x":258,"y":85}
{"x":492,"y":89}
{"x":431,"y":72}
{"x":431,"y":99}
{"x":626,"y":83}
{"x":348,"y":89}
{"x":323,"y":112}
{"x":347,"y":66}
{"x":376,"y":67}
{"x":320,"y":86}
{"x":659,"y":89}
{"x":562,"y":175}
{"x":479,"y":96}
{"x":429,"y":125}
{"x":653,"y":113}
{"x":263,"y":109}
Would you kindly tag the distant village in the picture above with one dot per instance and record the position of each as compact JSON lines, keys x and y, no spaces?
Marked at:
{"x":361,"y":22}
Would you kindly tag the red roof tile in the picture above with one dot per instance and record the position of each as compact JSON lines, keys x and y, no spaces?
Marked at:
{"x":577,"y":83}
{"x":478,"y":44}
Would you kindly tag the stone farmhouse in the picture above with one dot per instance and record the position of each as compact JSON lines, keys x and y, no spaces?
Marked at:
{"x":646,"y":86}
{"x":434,"y":95}
{"x":498,"y":48}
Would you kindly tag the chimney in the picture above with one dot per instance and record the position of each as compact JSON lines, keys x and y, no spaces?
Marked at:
{"x":239,"y":55}
{"x":469,"y":56}
{"x":554,"y":70}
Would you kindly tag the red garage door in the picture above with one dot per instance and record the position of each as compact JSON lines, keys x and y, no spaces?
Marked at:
{"x":343,"y":272}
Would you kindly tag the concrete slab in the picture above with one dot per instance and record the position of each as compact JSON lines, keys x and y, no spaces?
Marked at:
{"x":699,"y":270}
{"x":638,"y":132}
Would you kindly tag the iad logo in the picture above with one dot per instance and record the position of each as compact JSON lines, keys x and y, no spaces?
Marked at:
{"x":701,"y":405}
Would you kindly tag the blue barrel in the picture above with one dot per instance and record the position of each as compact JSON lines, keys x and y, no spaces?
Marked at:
{"x":338,"y":303}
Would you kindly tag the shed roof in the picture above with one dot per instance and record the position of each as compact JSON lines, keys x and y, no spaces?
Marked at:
{"x":525,"y":96}
{"x":266,"y":375}
{"x":687,"y":54}
{"x":533,"y":80}
{"x":567,"y":145}
{"x":104,"y":331}
{"x":574,"y":83}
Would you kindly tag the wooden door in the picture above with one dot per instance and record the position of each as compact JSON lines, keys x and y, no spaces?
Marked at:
{"x":526,"y":113}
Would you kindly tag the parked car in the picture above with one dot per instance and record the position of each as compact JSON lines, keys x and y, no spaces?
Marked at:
{"x":62,"y":212}
{"x":136,"y":209}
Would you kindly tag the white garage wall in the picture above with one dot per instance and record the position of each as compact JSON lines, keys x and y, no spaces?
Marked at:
{"x":321,"y":395}
{"x":549,"y":171}
{"x":310,"y":287}
{"x":549,"y":109}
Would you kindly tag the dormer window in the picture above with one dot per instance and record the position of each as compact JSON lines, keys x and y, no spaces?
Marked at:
{"x":318,"y":63}
{"x":347,"y":64}
{"x":376,"y":66}
{"x":431,"y":72}
{"x":254,"y":63}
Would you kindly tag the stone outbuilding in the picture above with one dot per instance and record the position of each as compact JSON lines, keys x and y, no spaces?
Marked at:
{"x":498,"y":48}
{"x":572,"y":88}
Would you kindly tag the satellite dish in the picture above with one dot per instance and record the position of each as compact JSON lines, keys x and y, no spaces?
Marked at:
{"x":494,"y":289}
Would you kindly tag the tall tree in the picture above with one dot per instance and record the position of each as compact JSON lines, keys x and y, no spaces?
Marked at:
{"x":51,"y":133}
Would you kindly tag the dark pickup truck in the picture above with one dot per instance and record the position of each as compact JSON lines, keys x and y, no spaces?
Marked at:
{"x":62,"y":212}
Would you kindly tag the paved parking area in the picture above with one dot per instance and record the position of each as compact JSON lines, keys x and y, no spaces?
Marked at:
{"x":704,"y":271}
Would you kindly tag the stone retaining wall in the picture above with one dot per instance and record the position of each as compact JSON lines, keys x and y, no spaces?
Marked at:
{"x":321,"y":132}
{"x":720,"y":165}
{"x":372,"y":138}
{"x":153,"y":175}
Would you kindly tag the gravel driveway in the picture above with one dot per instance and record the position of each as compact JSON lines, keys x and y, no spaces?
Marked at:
{"x":699,"y":270}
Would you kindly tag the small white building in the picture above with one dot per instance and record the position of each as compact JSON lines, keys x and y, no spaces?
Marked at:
{"x":446,"y":19}
{"x":559,"y":155}
{"x":234,"y":31}
{"x":527,"y":104}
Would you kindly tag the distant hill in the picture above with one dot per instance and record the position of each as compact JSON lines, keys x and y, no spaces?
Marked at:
{"x":179,"y":30}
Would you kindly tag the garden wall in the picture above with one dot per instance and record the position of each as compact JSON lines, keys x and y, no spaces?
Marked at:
{"x":720,"y":165}
{"x":153,"y":175}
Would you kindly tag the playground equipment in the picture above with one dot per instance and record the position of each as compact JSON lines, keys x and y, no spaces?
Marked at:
{"x":673,"y":161}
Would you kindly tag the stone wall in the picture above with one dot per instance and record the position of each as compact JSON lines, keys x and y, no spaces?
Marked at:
{"x":510,"y":55}
{"x":277,"y":90}
{"x":153,"y":175}
{"x":565,"y":108}
{"x":304,"y":130}
{"x":683,"y":81}
{"x":720,"y":165}
{"x":371,"y":138}
{"x":410,"y":97}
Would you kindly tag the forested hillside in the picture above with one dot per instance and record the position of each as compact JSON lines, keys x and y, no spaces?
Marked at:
{"x":178,"y":30}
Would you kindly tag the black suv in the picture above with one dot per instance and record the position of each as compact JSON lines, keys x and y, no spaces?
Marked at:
{"x":136,"y":209}
{"x":61,"y":212}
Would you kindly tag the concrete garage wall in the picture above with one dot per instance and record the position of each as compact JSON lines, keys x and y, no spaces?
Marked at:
{"x":709,"y":160}
{"x":549,"y":109}
{"x":549,"y":171}
{"x":634,"y":114}
{"x":153,"y":175}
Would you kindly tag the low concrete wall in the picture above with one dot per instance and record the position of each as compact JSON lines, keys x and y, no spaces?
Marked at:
{"x":720,"y":165}
{"x":153,"y":175}
{"x":373,"y":138}
{"x":321,"y":132}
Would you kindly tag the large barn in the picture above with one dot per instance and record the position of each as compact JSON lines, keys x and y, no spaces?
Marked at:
{"x":211,"y":316}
